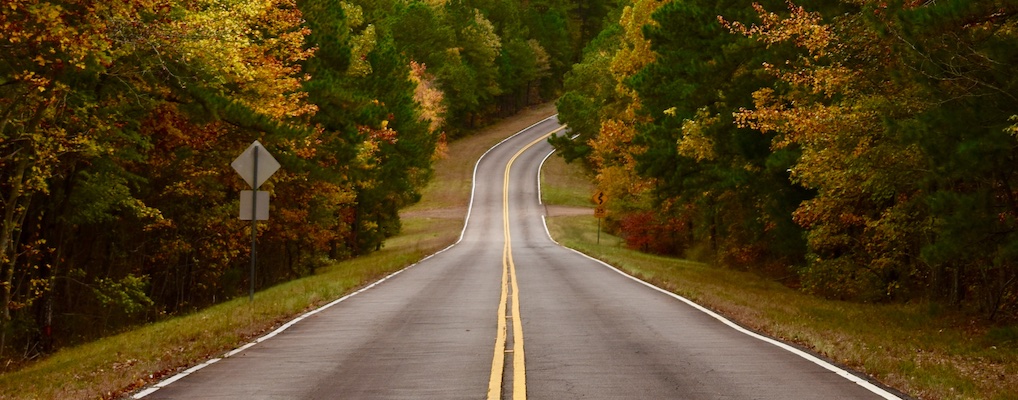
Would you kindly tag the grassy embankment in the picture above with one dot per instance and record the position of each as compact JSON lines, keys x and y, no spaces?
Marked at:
{"x":920,"y":349}
{"x":116,"y":365}
{"x":924,"y":351}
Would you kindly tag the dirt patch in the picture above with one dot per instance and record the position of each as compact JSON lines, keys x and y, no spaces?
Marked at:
{"x":440,"y":213}
{"x":448,"y":194}
{"x":567,"y":211}
{"x":460,"y":213}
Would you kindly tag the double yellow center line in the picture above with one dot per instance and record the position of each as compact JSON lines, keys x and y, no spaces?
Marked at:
{"x":509,"y":284}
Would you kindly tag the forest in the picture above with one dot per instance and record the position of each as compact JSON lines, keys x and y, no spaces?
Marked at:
{"x":860,"y":150}
{"x":119,"y":120}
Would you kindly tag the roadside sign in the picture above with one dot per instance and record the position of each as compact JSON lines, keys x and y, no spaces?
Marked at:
{"x":260,"y":209}
{"x":255,"y":163}
{"x":600,"y":212}
{"x":599,"y":198}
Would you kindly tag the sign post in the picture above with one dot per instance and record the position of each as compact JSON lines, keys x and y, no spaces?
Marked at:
{"x":599,"y":198}
{"x":255,"y":165}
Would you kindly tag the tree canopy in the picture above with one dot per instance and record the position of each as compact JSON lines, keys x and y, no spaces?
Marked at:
{"x":856,"y":149}
{"x":118,"y":122}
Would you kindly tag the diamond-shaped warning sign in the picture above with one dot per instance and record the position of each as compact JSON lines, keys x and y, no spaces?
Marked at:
{"x":255,"y":162}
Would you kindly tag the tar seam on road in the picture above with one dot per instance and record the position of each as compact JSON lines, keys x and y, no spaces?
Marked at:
{"x":189,"y":371}
{"x":272,"y":334}
{"x":509,"y":281}
{"x":879,"y":391}
{"x":473,"y":179}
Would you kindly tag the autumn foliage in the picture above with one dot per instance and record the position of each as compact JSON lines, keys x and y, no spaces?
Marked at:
{"x":863,"y":148}
{"x":119,"y":120}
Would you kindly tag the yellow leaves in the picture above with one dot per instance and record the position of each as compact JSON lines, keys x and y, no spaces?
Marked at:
{"x":613,"y":151}
{"x":366,"y":160}
{"x":610,"y":146}
{"x":636,"y":53}
{"x":620,"y":182}
{"x":252,"y":45}
{"x":362,"y":45}
{"x":47,"y":35}
{"x":767,"y":115}
{"x":542,"y":60}
{"x":483,"y":32}
{"x":695,"y":141}
{"x":367,"y":152}
{"x":613,"y":154}
{"x":1013,"y":129}
{"x":429,"y":96}
{"x":354,"y":14}
{"x":53,"y":12}
{"x":802,"y":27}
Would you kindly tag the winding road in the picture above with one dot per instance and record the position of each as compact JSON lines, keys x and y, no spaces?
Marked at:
{"x":508,"y":313}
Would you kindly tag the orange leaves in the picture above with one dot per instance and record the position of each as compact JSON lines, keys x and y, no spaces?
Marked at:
{"x":255,"y":45}
{"x":821,"y":73}
{"x":53,"y":36}
{"x":250,"y":47}
{"x":613,"y":151}
{"x":428,"y":95}
{"x":612,"y":144}
{"x":802,"y":28}
{"x":695,"y":142}
{"x":613,"y":155}
{"x":830,"y":133}
{"x":636,"y":53}
{"x":836,"y":99}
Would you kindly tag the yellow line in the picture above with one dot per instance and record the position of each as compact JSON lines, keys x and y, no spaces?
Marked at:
{"x":509,"y":275}
{"x":498,"y":360}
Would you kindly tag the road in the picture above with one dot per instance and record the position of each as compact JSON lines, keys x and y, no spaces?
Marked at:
{"x":507,"y":313}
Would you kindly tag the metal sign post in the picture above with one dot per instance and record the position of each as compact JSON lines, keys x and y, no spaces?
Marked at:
{"x":599,"y":198}
{"x":254,"y":227}
{"x":255,"y":165}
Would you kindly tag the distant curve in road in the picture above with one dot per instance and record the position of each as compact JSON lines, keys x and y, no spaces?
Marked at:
{"x":434,"y":331}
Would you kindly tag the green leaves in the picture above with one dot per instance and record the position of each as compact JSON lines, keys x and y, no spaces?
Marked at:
{"x":868,"y":147}
{"x":126,"y":295}
{"x":118,"y":121}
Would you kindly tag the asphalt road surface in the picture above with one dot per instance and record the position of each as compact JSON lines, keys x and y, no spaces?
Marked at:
{"x":507,"y":313}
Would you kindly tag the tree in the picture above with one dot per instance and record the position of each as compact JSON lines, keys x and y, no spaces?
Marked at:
{"x":590,"y":94}
{"x":469,"y":77}
{"x":720,"y":184}
{"x":961,"y":54}
{"x":864,"y":222}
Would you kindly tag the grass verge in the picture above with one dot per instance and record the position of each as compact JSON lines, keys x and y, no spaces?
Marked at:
{"x":919,"y":349}
{"x":117,"y":365}
{"x":565,"y":185}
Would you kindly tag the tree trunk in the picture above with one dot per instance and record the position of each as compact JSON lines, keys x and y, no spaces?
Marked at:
{"x":7,"y":228}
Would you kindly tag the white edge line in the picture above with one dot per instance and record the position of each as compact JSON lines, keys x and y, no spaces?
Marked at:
{"x":275,"y":332}
{"x":473,"y":179}
{"x":807,"y":356}
{"x":272,"y":334}
{"x":286,"y":326}
{"x":145,"y":392}
{"x":539,"y":169}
